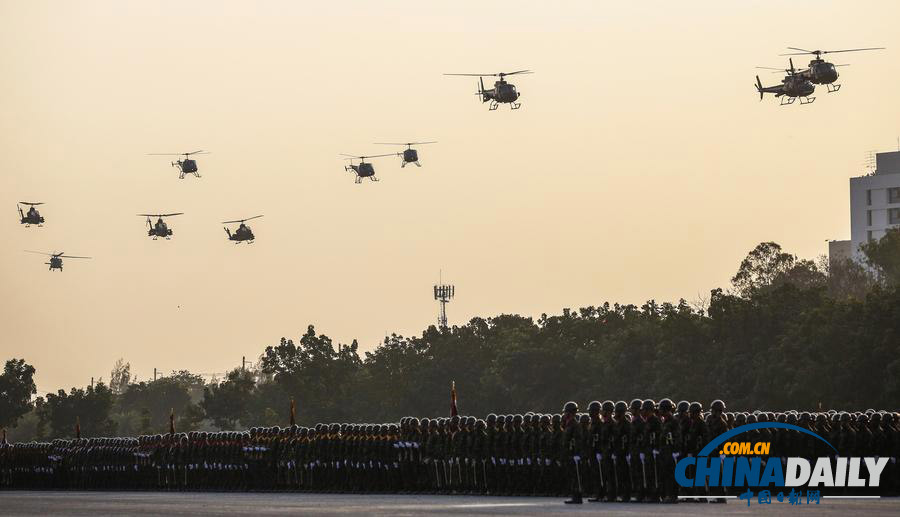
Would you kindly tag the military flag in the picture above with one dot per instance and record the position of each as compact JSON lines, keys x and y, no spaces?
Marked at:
{"x":453,"y":410}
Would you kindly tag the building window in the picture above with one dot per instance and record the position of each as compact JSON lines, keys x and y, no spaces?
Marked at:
{"x":869,"y":217}
{"x":869,"y":197}
{"x":894,"y":216}
{"x":894,"y":195}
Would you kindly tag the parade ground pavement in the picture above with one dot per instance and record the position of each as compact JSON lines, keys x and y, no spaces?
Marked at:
{"x":210,"y":503}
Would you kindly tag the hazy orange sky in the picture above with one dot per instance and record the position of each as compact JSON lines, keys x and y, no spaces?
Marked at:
{"x":641,"y":165}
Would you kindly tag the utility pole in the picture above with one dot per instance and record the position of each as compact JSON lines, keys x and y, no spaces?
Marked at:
{"x":243,"y":362}
{"x":443,"y":293}
{"x":154,"y":375}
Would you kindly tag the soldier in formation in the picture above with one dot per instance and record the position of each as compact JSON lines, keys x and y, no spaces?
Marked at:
{"x":615,"y":452}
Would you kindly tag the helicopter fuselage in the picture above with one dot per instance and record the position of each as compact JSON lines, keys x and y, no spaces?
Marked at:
{"x":55,"y":263}
{"x":31,"y":217}
{"x":160,"y":229}
{"x":502,"y":92}
{"x":410,"y":156}
{"x":363,"y":170}
{"x":797,"y":86}
{"x":186,"y":166}
{"x":821,"y":72}
{"x":242,"y":233}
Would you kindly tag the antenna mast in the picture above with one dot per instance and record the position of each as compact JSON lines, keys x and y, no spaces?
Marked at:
{"x":443,"y":293}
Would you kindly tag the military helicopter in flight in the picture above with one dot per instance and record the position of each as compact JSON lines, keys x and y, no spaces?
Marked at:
{"x":502,"y":92}
{"x":56,"y":258}
{"x":409,"y":155}
{"x":32,"y":216}
{"x":185,"y":166}
{"x":243,"y":232}
{"x":364,"y":169}
{"x":821,"y":71}
{"x":160,"y":229}
{"x":793,"y":86}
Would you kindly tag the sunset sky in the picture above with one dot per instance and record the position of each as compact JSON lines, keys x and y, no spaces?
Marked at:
{"x":641,"y":165}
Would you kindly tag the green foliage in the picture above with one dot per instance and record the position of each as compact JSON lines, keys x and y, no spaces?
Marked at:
{"x":883,"y":255}
{"x":158,"y":398}
{"x":793,"y":334}
{"x":227,"y":403}
{"x":59,"y":412}
{"x":16,"y":389}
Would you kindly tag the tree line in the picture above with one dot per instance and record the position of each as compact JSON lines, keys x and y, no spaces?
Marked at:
{"x":788,"y":333}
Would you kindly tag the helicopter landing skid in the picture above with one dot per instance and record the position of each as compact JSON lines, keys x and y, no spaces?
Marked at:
{"x":832,"y":87}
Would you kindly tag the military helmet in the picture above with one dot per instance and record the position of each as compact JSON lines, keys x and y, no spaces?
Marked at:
{"x":666,"y":405}
{"x":621,"y":407}
{"x":584,"y":418}
{"x":594,"y":407}
{"x":570,"y":407}
{"x":635,"y":405}
{"x":683,"y":406}
{"x":608,"y":406}
{"x":717,"y":405}
{"x":695,"y":407}
{"x":648,"y":405}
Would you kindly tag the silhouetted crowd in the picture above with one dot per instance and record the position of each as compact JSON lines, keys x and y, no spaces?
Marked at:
{"x":613,"y":452}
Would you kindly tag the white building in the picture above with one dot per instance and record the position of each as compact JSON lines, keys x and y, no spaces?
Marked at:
{"x":874,"y":206}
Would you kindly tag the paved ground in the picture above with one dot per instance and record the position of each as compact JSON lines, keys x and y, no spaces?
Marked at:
{"x":98,"y":504}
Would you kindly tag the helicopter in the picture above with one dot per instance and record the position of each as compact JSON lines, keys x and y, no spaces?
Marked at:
{"x":364,"y":169}
{"x":502,"y":92}
{"x":409,"y":155}
{"x":243,"y":232}
{"x":160,"y":229}
{"x":56,"y":258}
{"x":821,"y":71}
{"x":32,"y":216}
{"x":792,"y":87}
{"x":186,"y":166}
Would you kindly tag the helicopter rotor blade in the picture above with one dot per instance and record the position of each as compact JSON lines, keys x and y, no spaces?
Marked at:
{"x":29,"y":203}
{"x":38,"y":252}
{"x":196,"y":152}
{"x":498,"y":74}
{"x":407,"y":143}
{"x":242,"y":220}
{"x":822,"y":52}
{"x":71,"y":256}
{"x":770,"y":68}
{"x":170,"y":215}
{"x":352,"y":157}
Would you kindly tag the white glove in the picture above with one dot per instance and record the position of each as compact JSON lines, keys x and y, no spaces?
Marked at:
{"x":576,"y":458}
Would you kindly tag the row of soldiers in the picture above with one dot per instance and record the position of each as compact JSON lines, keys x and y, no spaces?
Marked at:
{"x":613,"y":452}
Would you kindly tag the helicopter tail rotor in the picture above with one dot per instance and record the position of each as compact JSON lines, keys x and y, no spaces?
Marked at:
{"x":759,"y":87}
